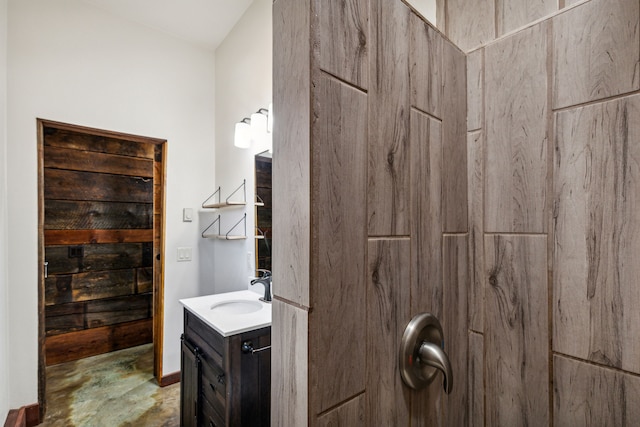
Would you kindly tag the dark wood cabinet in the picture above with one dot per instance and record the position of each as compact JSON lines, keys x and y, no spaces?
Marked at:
{"x":225,"y":381}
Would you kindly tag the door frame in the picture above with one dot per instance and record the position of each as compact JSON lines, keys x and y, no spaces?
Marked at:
{"x":159,"y":207}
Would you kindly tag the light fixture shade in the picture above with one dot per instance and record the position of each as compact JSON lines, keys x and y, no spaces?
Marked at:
{"x":258,"y":127}
{"x":270,"y":118}
{"x":242,"y":137}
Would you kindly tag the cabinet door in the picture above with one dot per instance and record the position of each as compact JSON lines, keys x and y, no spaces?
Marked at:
{"x":189,"y":385}
{"x":250,"y":379}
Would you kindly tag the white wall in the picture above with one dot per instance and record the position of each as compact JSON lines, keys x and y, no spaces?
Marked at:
{"x":70,"y":62}
{"x":4,"y":305}
{"x":243,"y":85}
{"x":427,"y":8}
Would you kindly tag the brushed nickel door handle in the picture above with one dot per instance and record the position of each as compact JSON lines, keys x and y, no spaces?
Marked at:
{"x":422,"y":355}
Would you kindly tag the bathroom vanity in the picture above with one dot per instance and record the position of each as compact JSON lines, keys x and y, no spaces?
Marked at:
{"x":226,"y":361}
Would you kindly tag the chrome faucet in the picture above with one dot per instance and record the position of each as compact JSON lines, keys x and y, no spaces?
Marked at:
{"x":264,"y":280}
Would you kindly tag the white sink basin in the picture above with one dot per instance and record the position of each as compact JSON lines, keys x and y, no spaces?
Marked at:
{"x":231,"y":313}
{"x":236,"y":307}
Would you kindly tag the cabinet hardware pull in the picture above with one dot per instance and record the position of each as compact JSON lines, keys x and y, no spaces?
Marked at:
{"x":247,"y":347}
{"x":212,"y":387}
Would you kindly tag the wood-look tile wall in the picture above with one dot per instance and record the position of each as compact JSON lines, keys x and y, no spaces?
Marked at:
{"x":521,"y":237}
{"x":516,"y":122}
{"x":374,"y":101}
{"x":554,"y":181}
{"x":473,"y":23}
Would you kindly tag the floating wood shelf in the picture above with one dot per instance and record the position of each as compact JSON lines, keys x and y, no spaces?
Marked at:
{"x":228,"y":235}
{"x":222,"y":205}
{"x":227,"y":202}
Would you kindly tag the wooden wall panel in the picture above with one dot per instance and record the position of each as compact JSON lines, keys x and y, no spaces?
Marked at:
{"x":104,"y":312}
{"x":470,"y":25}
{"x":90,"y":342}
{"x":63,"y":318}
{"x":388,"y":300}
{"x":89,"y":161}
{"x":597,"y":228}
{"x":77,"y":215}
{"x":476,"y":379}
{"x":455,"y":320}
{"x":513,"y":14}
{"x":596,"y":50}
{"x":388,"y":192}
{"x":56,"y":136}
{"x":73,"y":185}
{"x":350,"y":414}
{"x":292,"y":171}
{"x":339,"y":241}
{"x":588,"y":395}
{"x":475,"y":83}
{"x":90,"y":284}
{"x":98,"y":257}
{"x":343,"y":39}
{"x":289,"y":369}
{"x":516,"y":132}
{"x":426,"y":73}
{"x":454,"y":141}
{"x":516,"y":330}
{"x":81,"y":237}
{"x":99,"y":191}
{"x":144,"y":280}
{"x":64,"y":288}
{"x":475,"y":147}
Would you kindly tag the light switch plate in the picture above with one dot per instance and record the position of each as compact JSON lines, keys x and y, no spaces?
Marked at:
{"x":187,"y":214}
{"x":184,"y":254}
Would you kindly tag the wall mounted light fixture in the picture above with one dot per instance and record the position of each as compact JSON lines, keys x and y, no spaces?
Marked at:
{"x":242,"y":137}
{"x":259,"y":125}
{"x":256,"y":129}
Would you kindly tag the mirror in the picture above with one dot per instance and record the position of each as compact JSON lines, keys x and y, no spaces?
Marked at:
{"x":263,"y":162}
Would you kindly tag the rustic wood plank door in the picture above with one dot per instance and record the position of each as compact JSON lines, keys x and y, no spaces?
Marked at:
{"x":101,"y":207}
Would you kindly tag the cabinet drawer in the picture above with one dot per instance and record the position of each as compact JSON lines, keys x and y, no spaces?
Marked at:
{"x":203,"y":337}
{"x":213,"y":383}
{"x":210,"y":417}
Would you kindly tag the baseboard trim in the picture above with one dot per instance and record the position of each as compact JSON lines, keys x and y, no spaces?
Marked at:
{"x":16,"y":418}
{"x":27,"y":416}
{"x":33,"y":414}
{"x":170,"y":379}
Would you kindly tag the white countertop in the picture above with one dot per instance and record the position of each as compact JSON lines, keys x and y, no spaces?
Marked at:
{"x":229,"y":324}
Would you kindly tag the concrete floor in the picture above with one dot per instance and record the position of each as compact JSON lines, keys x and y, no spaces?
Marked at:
{"x":113,"y":389}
